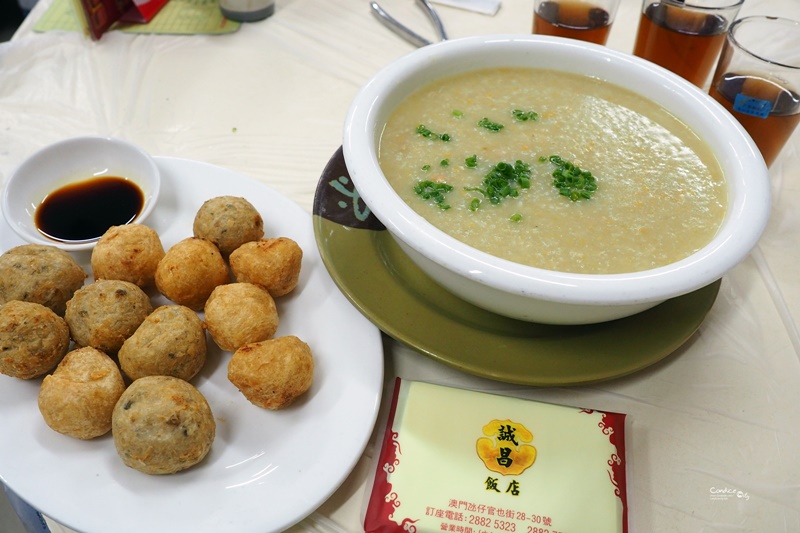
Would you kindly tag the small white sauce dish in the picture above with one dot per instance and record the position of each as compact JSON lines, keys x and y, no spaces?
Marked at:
{"x":535,"y":294}
{"x":70,"y":161}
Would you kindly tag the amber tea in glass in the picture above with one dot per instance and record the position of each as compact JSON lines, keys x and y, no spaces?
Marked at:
{"x":758,"y":80}
{"x":685,"y":37}
{"x":586,"y":20}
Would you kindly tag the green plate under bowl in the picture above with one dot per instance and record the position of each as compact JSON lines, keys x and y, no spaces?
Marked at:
{"x":389,"y":289}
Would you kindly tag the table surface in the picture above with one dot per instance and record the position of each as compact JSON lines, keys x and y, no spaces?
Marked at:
{"x":269,"y":101}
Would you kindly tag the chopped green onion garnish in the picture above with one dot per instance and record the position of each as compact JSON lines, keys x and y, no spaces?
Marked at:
{"x":444,"y":162}
{"x":474,"y":204}
{"x":457,"y":113}
{"x":426,"y":167}
{"x":471,"y":162}
{"x":504,"y":180}
{"x":428,"y":134}
{"x":433,"y":190}
{"x":516,"y":217}
{"x":524,"y":116}
{"x":489,"y":125}
{"x":424,"y":131}
{"x":571,"y":180}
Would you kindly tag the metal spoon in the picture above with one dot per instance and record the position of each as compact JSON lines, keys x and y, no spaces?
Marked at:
{"x":406,"y":33}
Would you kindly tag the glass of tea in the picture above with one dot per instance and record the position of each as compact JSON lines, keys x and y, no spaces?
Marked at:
{"x":685,"y":36}
{"x":586,"y":20}
{"x":758,"y":80}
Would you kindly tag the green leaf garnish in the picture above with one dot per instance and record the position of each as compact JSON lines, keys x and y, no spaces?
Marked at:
{"x":524,"y":116}
{"x":433,"y":190}
{"x":571,"y":180}
{"x":489,"y":125}
{"x":457,"y":113}
{"x":471,"y":162}
{"x":516,"y":217}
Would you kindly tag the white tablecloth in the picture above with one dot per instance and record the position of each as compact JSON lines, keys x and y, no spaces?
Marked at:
{"x":269,"y":101}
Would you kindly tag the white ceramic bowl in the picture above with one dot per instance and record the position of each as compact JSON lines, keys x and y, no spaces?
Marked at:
{"x":535,"y":294}
{"x":70,"y":161}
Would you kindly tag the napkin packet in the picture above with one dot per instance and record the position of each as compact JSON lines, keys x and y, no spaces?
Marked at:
{"x":97,"y":16}
{"x":471,"y":462}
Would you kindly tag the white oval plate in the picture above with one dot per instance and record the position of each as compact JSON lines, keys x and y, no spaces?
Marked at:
{"x":267,"y":470}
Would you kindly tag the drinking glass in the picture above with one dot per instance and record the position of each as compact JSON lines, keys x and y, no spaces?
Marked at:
{"x":758,"y":80}
{"x":586,"y":20}
{"x":685,"y":36}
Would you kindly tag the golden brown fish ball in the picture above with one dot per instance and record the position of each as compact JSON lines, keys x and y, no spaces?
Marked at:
{"x":271,"y":263}
{"x":105,"y":313}
{"x":79,"y":397}
{"x":128,"y":253}
{"x":162,"y":425}
{"x":272,"y":373}
{"x":228,"y":222}
{"x":190,"y":270}
{"x":41,"y":274}
{"x":239,"y":313}
{"x":170,"y":342}
{"x":33,"y":339}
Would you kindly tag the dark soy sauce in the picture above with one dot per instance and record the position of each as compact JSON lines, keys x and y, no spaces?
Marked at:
{"x":84,"y":211}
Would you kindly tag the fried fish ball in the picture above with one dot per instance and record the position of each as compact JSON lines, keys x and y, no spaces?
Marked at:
{"x":190,"y":270}
{"x":33,"y":339}
{"x":128,"y":253}
{"x":162,"y":425}
{"x":272,"y":373}
{"x":239,"y":313}
{"x":271,"y":263}
{"x":41,"y":274}
{"x":170,"y":342}
{"x":105,"y":313}
{"x":79,"y":397}
{"x":228,"y":222}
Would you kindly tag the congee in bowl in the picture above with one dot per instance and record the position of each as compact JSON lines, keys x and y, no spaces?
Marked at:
{"x":475,"y":155}
{"x":552,"y":180}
